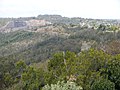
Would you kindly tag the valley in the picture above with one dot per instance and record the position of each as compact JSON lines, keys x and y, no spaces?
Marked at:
{"x":46,"y":41}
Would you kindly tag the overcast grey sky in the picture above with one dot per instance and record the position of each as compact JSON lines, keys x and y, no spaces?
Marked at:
{"x":109,"y":9}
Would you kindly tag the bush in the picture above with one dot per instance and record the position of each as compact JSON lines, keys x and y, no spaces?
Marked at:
{"x":103,"y":84}
{"x":113,"y":71}
{"x":62,"y":86}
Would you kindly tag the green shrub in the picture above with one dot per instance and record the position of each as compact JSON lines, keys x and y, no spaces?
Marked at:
{"x":62,"y":86}
{"x":113,"y":71}
{"x":103,"y":84}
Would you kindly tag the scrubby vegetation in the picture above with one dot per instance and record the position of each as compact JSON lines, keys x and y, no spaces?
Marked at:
{"x":67,"y":54}
{"x":90,"y":70}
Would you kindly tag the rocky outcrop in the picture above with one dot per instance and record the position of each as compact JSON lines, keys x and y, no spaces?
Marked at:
{"x":16,"y":24}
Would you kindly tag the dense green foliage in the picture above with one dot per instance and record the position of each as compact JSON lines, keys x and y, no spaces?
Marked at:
{"x":103,"y":84}
{"x":92,"y":70}
{"x":113,"y":71}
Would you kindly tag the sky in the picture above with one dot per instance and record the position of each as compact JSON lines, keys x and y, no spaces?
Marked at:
{"x":98,"y":9}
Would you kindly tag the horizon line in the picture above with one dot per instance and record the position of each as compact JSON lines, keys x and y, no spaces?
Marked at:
{"x":61,"y":16}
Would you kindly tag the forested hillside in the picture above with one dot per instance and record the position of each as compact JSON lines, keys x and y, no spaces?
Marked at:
{"x":51,"y":51}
